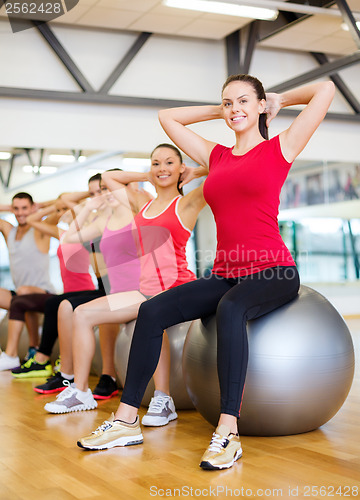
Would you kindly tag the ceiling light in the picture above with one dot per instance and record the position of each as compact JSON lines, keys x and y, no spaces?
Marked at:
{"x":4,"y":155}
{"x":136,"y":162}
{"x":345,"y":27}
{"x":228,"y":9}
{"x":44,"y":169}
{"x":62,"y":158}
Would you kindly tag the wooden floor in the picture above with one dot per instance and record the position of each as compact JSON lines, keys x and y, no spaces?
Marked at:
{"x":39,"y":458}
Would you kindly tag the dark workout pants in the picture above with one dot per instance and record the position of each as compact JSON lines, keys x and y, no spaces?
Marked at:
{"x":234,"y":300}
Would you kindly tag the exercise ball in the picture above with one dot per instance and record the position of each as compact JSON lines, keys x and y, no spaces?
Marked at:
{"x":177,"y":335}
{"x":301,"y":366}
{"x":96,"y":363}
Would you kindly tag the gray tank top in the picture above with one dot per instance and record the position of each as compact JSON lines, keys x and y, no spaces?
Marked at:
{"x":28,"y":266}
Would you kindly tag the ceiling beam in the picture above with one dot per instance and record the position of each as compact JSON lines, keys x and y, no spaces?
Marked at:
{"x":349,"y":20}
{"x":339,"y":82}
{"x":63,"y":55}
{"x":324,"y":70}
{"x":232,"y":44}
{"x":97,"y":98}
{"x":250,"y":46}
{"x":124,"y":63}
{"x":90,"y":161}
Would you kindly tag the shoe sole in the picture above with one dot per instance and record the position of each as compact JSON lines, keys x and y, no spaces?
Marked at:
{"x":209,"y":466}
{"x":172,"y":417}
{"x":69,"y":410}
{"x":98,"y":396}
{"x":49,"y":391}
{"x":37,"y":374}
{"x":118,"y":442}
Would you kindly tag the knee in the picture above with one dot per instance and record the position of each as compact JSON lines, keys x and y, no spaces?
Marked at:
{"x":17,"y":309}
{"x":147,"y":312}
{"x":228,"y":308}
{"x":52,"y":305}
{"x":80,"y":314}
{"x":65,"y":308}
{"x":23,"y":290}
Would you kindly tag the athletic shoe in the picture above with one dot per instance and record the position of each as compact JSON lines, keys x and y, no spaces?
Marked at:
{"x":223,"y":451}
{"x":33,"y":369}
{"x":8,"y":362}
{"x":53,"y":384}
{"x":106,"y":388}
{"x":71,"y":399}
{"x":31,"y":353}
{"x":161,"y":410}
{"x":112,"y":433}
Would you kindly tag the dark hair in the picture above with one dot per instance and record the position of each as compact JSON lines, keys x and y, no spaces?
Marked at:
{"x":177,"y":152}
{"x":260,"y":93}
{"x":24,"y":196}
{"x":96,"y":177}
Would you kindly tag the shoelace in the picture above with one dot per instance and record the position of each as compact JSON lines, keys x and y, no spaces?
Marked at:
{"x":66,"y":392}
{"x":105,"y":425}
{"x":157,"y":403}
{"x":217,"y":443}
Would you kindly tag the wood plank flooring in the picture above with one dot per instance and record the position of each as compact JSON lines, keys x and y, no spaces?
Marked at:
{"x":39,"y":459}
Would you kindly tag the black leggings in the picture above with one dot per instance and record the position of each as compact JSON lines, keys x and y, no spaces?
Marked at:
{"x":234,"y":300}
{"x":50,"y":326}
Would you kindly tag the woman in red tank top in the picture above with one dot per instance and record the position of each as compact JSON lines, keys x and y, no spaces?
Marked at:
{"x":253,"y":271}
{"x":161,"y":230}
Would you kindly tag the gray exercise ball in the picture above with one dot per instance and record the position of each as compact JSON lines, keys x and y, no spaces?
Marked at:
{"x":96,"y":362}
{"x":177,"y":335}
{"x":301,"y":367}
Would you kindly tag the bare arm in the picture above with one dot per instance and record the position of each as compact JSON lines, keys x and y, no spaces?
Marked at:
{"x":78,"y":232}
{"x":72,"y":199}
{"x":317,"y":98}
{"x":48,"y":226}
{"x":118,"y":182}
{"x":174,"y":121}
{"x":5,"y":208}
{"x":192,"y":173}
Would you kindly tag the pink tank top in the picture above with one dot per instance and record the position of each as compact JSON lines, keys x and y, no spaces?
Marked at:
{"x":121,"y":258}
{"x":162,"y":243}
{"x":74,"y":267}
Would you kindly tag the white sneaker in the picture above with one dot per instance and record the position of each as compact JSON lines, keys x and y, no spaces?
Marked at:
{"x":161,"y":410}
{"x":8,"y":362}
{"x":71,"y":399}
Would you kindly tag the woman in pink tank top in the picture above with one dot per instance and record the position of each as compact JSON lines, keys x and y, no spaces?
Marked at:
{"x":160,"y":230}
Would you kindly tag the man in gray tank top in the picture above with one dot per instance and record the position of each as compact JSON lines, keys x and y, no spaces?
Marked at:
{"x":29,"y":268}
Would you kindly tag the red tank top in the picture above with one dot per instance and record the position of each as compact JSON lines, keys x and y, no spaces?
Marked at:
{"x":243,"y":193}
{"x":162,"y":243}
{"x":74,"y":267}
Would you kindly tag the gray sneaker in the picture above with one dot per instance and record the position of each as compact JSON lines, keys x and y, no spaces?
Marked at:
{"x":161,"y":410}
{"x":71,"y":399}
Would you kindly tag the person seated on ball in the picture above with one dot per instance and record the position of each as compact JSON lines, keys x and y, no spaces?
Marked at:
{"x":161,"y":230}
{"x":253,"y":272}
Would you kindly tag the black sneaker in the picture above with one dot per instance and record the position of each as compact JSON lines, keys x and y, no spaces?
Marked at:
{"x":32,"y":369}
{"x":52,"y":385}
{"x":106,"y":388}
